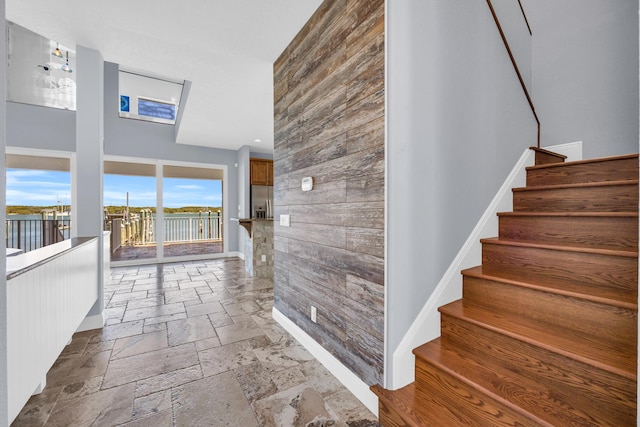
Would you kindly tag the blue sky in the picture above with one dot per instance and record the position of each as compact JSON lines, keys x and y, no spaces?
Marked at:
{"x":46,"y":188}
{"x":30,"y":187}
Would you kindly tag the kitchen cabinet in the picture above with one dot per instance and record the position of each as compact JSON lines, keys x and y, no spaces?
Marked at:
{"x":261,"y":172}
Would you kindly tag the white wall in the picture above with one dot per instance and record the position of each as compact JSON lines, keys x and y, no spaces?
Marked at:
{"x":87,"y":199}
{"x":55,"y":130}
{"x":457,"y":122}
{"x":585,"y":60}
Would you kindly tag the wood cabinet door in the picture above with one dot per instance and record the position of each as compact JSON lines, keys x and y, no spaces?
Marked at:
{"x":261,"y":172}
{"x":270,"y":173}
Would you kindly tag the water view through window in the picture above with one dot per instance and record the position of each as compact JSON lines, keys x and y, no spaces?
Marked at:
{"x":191,"y":223}
{"x":38,"y":199}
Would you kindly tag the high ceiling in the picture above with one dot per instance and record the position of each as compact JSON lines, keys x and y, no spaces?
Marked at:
{"x":226,"y":48}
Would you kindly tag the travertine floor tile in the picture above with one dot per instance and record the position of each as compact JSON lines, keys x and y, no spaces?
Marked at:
{"x":190,"y":330}
{"x":202,"y":309}
{"x":168,"y":380}
{"x":255,"y":381}
{"x":296,"y":407}
{"x":160,"y":419}
{"x":217,"y":401}
{"x":238,"y":332}
{"x":107,"y":407}
{"x":74,"y":369}
{"x":151,"y":404}
{"x":221,"y":359}
{"x":138,"y":344}
{"x":141,"y":366}
{"x":190,"y":344}
{"x":39,"y":408}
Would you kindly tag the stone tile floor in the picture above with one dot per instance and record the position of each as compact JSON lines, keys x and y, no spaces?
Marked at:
{"x":190,"y":344}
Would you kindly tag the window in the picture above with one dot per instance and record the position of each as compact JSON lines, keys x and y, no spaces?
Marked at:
{"x":149,"y":98}
{"x":159,"y":109}
{"x":38,"y":191}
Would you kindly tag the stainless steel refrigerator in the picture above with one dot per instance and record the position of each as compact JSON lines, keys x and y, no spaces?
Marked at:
{"x":262,"y":201}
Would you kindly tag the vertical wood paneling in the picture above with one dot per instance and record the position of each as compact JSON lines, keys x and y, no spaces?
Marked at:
{"x":45,"y":307}
{"x":329,"y":124}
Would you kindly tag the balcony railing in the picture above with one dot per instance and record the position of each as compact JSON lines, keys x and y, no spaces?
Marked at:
{"x":30,"y":234}
{"x":141,"y":229}
{"x":192,"y":228}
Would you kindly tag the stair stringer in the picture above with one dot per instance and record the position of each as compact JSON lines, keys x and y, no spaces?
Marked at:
{"x":426,"y":326}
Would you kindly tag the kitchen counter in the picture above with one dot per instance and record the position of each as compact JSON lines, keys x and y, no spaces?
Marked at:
{"x":247,"y":222}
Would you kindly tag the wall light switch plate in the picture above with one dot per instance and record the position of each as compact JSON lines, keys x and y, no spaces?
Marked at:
{"x":284,"y":220}
{"x":314,"y":313}
{"x":264,"y":258}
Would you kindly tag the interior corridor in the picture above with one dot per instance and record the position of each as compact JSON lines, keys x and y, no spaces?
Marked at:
{"x":190,"y":344}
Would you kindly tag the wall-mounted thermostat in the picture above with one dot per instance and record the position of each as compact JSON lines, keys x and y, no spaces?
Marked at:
{"x":307,"y":183}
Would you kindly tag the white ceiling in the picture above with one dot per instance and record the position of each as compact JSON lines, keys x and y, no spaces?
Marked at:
{"x":225,"y":47}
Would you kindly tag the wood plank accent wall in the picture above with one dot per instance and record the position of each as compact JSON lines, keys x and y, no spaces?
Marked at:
{"x":329,"y":124}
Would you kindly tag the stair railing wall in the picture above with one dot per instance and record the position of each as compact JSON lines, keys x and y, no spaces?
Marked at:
{"x":513,"y":59}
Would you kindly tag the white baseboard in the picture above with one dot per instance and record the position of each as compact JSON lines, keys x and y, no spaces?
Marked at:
{"x":343,"y":374}
{"x":92,"y":322}
{"x":237,"y":254}
{"x":426,"y":326}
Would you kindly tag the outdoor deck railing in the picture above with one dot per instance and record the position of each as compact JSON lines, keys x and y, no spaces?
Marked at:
{"x":192,"y":228}
{"x":30,"y":234}
{"x":177,"y":229}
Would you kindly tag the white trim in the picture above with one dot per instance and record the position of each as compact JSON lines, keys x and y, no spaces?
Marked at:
{"x":386,"y":364}
{"x":36,"y":152}
{"x":354,"y":384}
{"x":92,"y":322}
{"x":426,"y":326}
{"x":237,"y":254}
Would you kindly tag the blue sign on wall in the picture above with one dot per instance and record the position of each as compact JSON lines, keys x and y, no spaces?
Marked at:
{"x":124,"y":103}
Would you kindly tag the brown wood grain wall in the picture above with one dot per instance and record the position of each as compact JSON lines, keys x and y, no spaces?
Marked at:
{"x":329,"y":124}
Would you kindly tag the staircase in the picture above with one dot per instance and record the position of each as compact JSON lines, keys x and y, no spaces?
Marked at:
{"x":546,"y":332}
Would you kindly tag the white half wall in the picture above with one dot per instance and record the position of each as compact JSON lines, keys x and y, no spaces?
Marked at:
{"x":46,"y":305}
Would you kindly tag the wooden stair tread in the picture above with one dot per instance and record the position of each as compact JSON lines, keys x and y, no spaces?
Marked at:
{"x":530,"y":398}
{"x":578,"y":185}
{"x":589,"y":352}
{"x":417,"y":409}
{"x":584,"y":162}
{"x":571,"y":214}
{"x":564,"y":248}
{"x":615,"y":297}
{"x":545,"y":151}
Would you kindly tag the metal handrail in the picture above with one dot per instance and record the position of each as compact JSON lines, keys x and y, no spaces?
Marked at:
{"x":515,"y":65}
{"x":30,"y":234}
{"x":525,"y":17}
